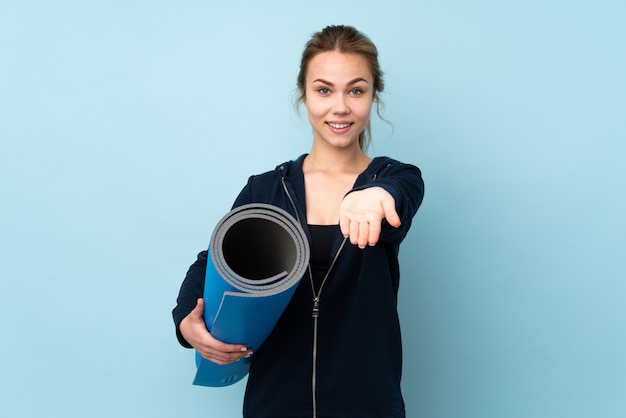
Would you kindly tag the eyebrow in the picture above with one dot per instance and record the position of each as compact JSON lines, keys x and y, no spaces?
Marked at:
{"x":321,"y":80}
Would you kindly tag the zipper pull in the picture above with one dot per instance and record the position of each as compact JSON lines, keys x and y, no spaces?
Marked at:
{"x":316,"y":307}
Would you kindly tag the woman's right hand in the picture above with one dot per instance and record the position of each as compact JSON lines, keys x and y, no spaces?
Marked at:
{"x":194,"y":330}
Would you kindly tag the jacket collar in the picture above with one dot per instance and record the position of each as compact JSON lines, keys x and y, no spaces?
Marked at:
{"x":293,"y":169}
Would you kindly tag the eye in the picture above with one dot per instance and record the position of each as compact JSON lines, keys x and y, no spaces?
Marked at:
{"x":356,"y":91}
{"x":324,"y":90}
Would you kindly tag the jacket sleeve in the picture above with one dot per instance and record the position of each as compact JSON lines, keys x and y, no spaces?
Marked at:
{"x":404,"y":183}
{"x":191,"y":289}
{"x":245,"y":196}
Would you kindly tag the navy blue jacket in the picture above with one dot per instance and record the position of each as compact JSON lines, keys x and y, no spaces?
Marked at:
{"x":359,"y":352}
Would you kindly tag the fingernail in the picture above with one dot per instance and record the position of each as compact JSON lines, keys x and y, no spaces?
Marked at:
{"x":244,"y":349}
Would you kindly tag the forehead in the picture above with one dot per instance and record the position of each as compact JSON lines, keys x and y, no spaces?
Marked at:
{"x":335,"y":66}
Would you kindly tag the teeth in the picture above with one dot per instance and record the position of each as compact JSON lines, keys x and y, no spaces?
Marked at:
{"x":339,"y":125}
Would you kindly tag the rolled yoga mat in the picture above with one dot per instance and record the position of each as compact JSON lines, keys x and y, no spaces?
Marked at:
{"x":258,"y":254}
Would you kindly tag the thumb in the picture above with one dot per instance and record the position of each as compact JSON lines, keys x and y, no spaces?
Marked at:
{"x":390,"y":213}
{"x":199,"y":309}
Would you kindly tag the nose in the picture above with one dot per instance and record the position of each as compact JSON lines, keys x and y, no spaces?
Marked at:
{"x":340,"y":107}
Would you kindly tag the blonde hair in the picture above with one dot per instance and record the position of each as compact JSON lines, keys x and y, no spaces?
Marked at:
{"x":345,"y":39}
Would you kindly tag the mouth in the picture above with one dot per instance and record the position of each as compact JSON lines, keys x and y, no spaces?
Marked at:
{"x":339,"y":125}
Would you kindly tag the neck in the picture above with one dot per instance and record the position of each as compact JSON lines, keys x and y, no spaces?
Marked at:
{"x":346,"y":160}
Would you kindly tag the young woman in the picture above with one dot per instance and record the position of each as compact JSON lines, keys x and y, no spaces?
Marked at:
{"x":336,"y":351}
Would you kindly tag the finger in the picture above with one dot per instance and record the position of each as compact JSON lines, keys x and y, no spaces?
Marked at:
{"x":226,"y":358}
{"x":354,"y":232}
{"x":374,"y":233}
{"x":364,"y":229}
{"x":344,"y":224}
{"x":228,"y":349}
{"x":217,"y":356}
{"x":391,"y":215}
{"x":222,"y":353}
{"x":222,"y":358}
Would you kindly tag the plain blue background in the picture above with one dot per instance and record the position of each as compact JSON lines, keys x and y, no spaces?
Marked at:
{"x":127,"y":129}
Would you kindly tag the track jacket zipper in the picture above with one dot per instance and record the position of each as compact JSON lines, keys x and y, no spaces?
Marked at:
{"x":316,"y":300}
{"x":315,"y":315}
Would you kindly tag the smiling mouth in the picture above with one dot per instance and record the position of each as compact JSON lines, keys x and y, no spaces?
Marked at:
{"x":339,"y":125}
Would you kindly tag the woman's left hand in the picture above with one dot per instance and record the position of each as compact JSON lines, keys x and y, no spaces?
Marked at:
{"x":361,"y":214}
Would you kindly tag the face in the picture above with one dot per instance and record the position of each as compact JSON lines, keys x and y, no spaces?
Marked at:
{"x":338,"y":97}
